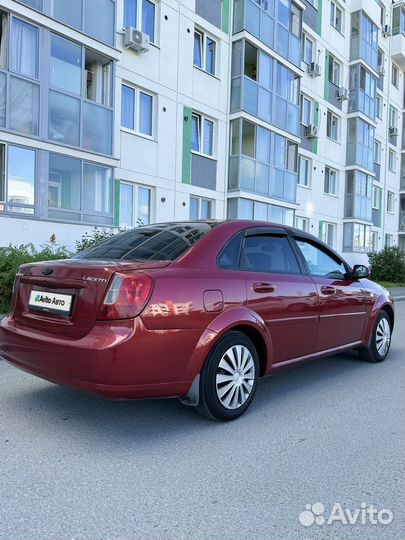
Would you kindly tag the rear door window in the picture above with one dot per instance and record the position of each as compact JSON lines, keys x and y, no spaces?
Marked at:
{"x":267,"y":253}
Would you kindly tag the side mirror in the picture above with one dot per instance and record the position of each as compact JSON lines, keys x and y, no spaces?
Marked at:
{"x":360,"y":271}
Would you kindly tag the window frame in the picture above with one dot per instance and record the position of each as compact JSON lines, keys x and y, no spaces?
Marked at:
{"x":138,"y":25}
{"x":137,"y":101}
{"x":376,"y":198}
{"x":199,"y":200}
{"x":304,"y":220}
{"x":305,"y":38}
{"x":395,"y":76}
{"x":331,"y":70}
{"x":392,"y":161}
{"x":335,"y":171}
{"x":204,"y":36}
{"x":82,"y":211}
{"x":334,"y":8}
{"x":309,"y":169}
{"x":135,"y":200}
{"x":4,"y":174}
{"x":310,"y":102}
{"x":201,"y":129}
{"x":390,"y":202}
{"x":330,"y":117}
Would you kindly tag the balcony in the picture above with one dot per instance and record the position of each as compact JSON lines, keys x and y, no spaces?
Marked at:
{"x":275,"y":30}
{"x":398,"y":50}
{"x":249,"y":96}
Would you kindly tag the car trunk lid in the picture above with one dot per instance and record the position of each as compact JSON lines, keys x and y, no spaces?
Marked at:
{"x":69,"y":293}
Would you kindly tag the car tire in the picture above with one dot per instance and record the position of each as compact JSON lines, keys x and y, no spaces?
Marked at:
{"x":380,"y":341}
{"x":229,"y":378}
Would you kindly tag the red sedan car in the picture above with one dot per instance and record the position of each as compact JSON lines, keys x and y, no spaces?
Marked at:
{"x":196,"y":310}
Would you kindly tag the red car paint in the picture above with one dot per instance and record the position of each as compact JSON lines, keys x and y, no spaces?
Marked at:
{"x":192,"y":303}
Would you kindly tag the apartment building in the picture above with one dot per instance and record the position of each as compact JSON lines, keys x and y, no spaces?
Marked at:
{"x":122,"y":112}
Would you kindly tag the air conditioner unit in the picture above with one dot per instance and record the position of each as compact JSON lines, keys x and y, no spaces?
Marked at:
{"x":381,"y":71}
{"x":343,"y":93}
{"x":136,"y":40}
{"x":311,"y":131}
{"x":393,"y":131}
{"x":314,"y":69}
{"x":386,"y":30}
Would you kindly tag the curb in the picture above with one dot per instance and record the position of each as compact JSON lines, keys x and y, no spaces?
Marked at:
{"x":398,"y":298}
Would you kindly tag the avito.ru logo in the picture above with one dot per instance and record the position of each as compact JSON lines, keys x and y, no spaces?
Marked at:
{"x":315,"y":513}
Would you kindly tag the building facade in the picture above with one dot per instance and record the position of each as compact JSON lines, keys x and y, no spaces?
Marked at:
{"x":290,"y":111}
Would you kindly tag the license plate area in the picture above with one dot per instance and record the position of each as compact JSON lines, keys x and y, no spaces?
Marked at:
{"x":49,"y":302}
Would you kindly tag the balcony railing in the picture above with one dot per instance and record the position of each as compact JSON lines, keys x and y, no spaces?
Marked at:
{"x":247,"y":95}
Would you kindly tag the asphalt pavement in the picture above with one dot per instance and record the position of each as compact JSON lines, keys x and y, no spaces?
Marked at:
{"x":73,"y":466}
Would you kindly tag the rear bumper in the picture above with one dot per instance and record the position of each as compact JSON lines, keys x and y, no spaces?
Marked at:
{"x":116,"y":360}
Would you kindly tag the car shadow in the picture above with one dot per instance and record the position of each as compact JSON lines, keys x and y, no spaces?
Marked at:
{"x":85,"y":417}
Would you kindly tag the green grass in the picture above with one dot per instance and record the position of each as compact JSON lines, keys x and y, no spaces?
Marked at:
{"x":389,"y":284}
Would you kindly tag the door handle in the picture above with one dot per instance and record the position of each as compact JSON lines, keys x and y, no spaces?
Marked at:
{"x":263,"y":287}
{"x":328,"y":290}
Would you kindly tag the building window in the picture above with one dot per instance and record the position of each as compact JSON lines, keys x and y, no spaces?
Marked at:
{"x":356,"y":237}
{"x":24,"y":57}
{"x":65,"y":70}
{"x":336,"y":17}
{"x":395,"y":76}
{"x":374,"y":241}
{"x":302,"y":223}
{"x":295,"y":20}
{"x":379,"y":107}
{"x":137,"y":110}
{"x":306,"y":110}
{"x":377,"y":152}
{"x":392,"y":161}
{"x":327,"y":233}
{"x":376,"y":204}
{"x":18,"y":179}
{"x":3,"y":41}
{"x":392,"y":117}
{"x":141,"y":14}
{"x":248,"y":209}
{"x":85,"y":120}
{"x":307,"y":49}
{"x":334,"y":70}
{"x":330,"y":184}
{"x":204,"y":52}
{"x":200,"y":208}
{"x":304,"y":177}
{"x":202,"y":135}
{"x":389,"y":240}
{"x":332,"y":126}
{"x":79,"y":191}
{"x":135,"y":205}
{"x":390,"y":202}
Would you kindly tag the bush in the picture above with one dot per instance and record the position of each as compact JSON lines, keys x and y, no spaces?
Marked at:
{"x":89,"y":240}
{"x":388,"y":265}
{"x":12,"y":257}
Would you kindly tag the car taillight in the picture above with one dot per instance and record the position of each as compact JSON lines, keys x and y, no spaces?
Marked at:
{"x":126,"y":297}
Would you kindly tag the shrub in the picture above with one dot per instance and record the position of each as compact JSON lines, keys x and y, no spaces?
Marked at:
{"x":12,"y":257}
{"x":89,"y":240}
{"x":388,"y":265}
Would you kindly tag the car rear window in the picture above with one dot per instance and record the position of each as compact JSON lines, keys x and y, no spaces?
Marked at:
{"x":164,"y":242}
